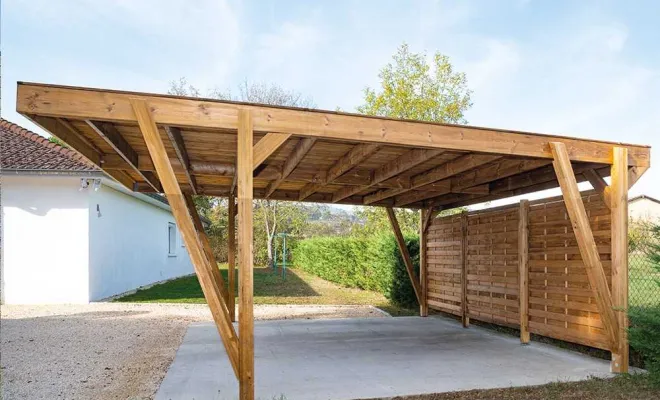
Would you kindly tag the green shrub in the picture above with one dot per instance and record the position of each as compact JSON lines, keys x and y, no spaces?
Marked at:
{"x":644,"y":337}
{"x":367,"y":263}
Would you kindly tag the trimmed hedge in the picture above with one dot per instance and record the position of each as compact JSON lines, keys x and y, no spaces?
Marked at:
{"x":371,"y":264}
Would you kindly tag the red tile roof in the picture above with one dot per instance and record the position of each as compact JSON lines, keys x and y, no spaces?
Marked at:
{"x":21,"y":149}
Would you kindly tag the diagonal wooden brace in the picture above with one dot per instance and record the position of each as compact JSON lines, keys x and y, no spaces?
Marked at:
{"x":404,"y":254}
{"x":585,"y":239}
{"x":182,"y":216}
{"x":206,"y":245}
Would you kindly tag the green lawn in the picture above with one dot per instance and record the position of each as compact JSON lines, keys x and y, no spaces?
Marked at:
{"x":299,"y":287}
{"x":621,"y":387}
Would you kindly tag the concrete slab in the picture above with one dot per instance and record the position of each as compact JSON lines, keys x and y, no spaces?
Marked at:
{"x":365,"y":358}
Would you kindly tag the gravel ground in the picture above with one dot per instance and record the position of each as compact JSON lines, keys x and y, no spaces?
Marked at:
{"x":110,"y":350}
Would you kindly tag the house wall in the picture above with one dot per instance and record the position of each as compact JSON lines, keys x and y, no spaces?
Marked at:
{"x":129,"y":244}
{"x":644,"y":210}
{"x":45,"y":221}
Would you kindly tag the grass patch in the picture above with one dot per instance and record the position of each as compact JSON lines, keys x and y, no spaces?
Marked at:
{"x":269,"y":288}
{"x":620,"y":387}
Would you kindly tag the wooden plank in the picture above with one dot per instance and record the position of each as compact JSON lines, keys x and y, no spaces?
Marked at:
{"x":266,"y":146}
{"x":181,"y":154}
{"x":231,"y":255}
{"x":465,"y":319}
{"x":244,"y":167}
{"x":404,"y":253}
{"x":186,"y":226}
{"x":86,"y":103}
{"x":441,"y":172}
{"x":599,"y":184}
{"x":423,"y":262}
{"x":471,"y":179}
{"x":302,"y":148}
{"x":523,"y":270}
{"x":347,"y":162}
{"x":619,"y":226}
{"x":397,"y":166}
{"x":634,"y":173}
{"x":112,"y":136}
{"x":585,"y":239}
{"x":206,"y":245}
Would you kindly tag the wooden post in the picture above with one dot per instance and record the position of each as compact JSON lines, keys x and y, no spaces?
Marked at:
{"x":619,"y":213}
{"x":423,"y":267}
{"x":465,"y":319}
{"x":523,"y":270}
{"x":231,"y":256}
{"x":184,"y":221}
{"x":404,"y":253}
{"x":585,"y":240}
{"x":244,"y":167}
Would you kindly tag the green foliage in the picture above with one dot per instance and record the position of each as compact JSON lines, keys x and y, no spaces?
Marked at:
{"x":373,"y":221}
{"x":57,"y":141}
{"x":644,"y":337}
{"x":372,"y":263}
{"x":413,"y":89}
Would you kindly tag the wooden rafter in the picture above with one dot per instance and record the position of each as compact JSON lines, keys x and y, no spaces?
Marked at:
{"x":400,"y":165}
{"x":472,"y":181}
{"x":349,"y":160}
{"x":302,"y":148}
{"x":186,"y":226}
{"x":267,"y":146}
{"x":585,"y":240}
{"x":176,"y":139}
{"x":619,"y":229}
{"x":109,"y":105}
{"x":441,"y":172}
{"x":400,"y":241}
{"x":114,"y":139}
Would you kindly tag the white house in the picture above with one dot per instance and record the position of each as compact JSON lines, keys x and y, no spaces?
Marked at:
{"x":70,"y":234}
{"x":644,"y":208}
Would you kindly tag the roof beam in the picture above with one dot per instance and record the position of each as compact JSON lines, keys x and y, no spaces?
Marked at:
{"x":181,"y":154}
{"x":114,"y":139}
{"x":299,"y":152}
{"x":402,"y":164}
{"x":266,"y":146}
{"x":349,"y":160}
{"x":446,"y":170}
{"x":108,"y":105}
{"x":473,"y":180}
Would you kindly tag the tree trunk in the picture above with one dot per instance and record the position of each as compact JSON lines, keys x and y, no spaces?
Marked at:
{"x":269,"y":246}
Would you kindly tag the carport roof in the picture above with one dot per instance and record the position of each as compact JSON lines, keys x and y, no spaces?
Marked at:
{"x":321,"y":156}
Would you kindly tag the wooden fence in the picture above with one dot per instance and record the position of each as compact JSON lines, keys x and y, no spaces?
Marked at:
{"x":476,"y":260}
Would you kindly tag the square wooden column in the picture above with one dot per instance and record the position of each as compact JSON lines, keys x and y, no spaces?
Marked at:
{"x":619,"y":221}
{"x":244,"y":167}
{"x":231,"y":256}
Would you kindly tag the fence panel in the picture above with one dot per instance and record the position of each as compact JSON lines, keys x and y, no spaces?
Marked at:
{"x":561,"y":302}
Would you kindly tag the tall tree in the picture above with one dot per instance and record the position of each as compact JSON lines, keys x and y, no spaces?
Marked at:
{"x":411,"y":88}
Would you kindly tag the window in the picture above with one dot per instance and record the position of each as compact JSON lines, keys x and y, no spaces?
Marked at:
{"x":171,"y":236}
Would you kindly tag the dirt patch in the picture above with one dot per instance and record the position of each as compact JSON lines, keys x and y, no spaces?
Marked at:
{"x":110,"y":350}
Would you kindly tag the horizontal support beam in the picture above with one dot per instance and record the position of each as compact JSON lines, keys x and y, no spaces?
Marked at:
{"x":109,"y":105}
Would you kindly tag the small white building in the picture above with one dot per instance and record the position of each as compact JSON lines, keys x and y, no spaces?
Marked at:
{"x":70,"y":234}
{"x":644,"y":209}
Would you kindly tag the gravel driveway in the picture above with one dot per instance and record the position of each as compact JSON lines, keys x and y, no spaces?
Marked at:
{"x":110,"y":350}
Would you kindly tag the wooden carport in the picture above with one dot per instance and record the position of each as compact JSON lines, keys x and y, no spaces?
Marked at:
{"x":185,"y":146}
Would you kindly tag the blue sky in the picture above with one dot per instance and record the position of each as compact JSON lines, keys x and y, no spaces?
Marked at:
{"x":581,"y":68}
